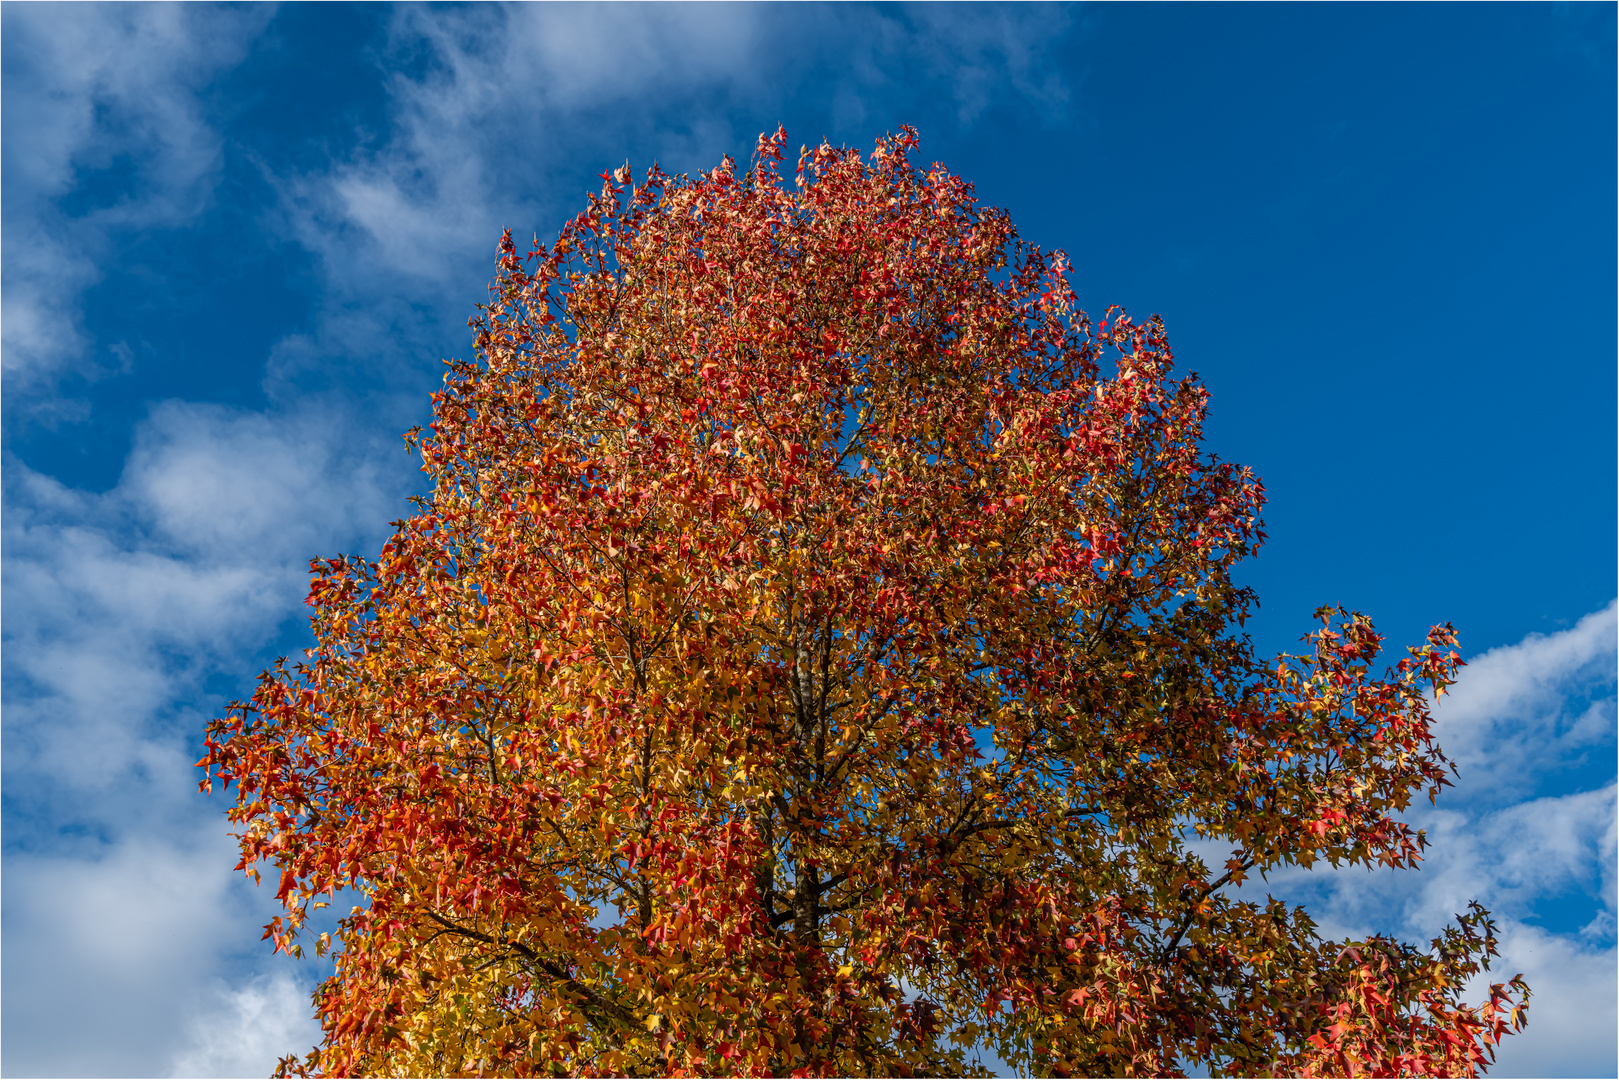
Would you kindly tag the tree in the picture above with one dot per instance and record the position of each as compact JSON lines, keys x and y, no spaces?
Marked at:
{"x":819,"y":655}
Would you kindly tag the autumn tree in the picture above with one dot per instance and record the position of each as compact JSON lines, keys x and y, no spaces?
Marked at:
{"x":819,"y":655}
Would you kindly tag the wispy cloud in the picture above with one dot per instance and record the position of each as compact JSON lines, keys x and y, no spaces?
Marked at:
{"x":1523,"y":715}
{"x":491,"y":104}
{"x":94,"y":90}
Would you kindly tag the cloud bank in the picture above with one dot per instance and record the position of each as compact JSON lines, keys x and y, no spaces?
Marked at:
{"x":120,"y":608}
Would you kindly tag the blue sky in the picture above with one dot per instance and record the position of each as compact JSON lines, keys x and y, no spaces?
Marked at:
{"x":238,"y":240}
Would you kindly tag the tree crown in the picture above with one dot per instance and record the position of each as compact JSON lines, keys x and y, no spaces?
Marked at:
{"x":819,"y":655}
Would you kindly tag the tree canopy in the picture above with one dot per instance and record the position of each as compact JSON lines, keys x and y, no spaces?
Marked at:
{"x":819,"y":655}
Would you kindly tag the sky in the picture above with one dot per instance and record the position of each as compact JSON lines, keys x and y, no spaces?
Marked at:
{"x":237,"y":242}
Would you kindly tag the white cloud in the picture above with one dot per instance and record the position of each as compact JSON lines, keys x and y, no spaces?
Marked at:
{"x":510,"y":97}
{"x":1523,"y":711}
{"x":980,"y":52}
{"x":255,"y":488}
{"x":244,"y":1030}
{"x":104,"y":955}
{"x":480,"y":129}
{"x":1515,"y":837}
{"x":566,"y":58}
{"x":119,"y":901}
{"x":90,"y":88}
{"x":118,"y":605}
{"x":1574,"y":1015}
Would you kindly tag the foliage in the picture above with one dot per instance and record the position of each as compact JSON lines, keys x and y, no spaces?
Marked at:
{"x":819,"y":655}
